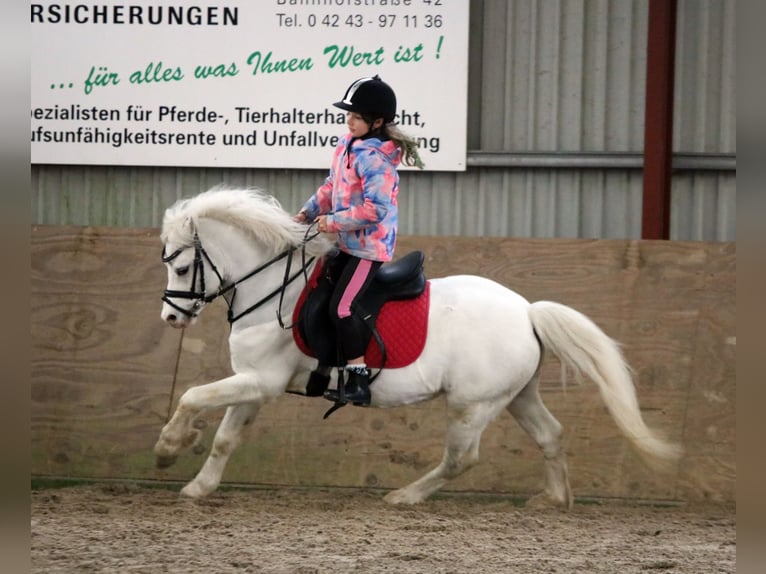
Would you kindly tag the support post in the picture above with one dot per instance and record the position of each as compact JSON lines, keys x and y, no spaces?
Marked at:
{"x":658,"y":119}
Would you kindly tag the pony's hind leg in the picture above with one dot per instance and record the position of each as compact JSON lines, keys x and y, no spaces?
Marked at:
{"x":228,"y":436}
{"x":464,"y":430}
{"x":533,"y":416}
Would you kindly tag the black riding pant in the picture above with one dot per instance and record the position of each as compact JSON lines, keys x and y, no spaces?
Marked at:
{"x":351,"y":277}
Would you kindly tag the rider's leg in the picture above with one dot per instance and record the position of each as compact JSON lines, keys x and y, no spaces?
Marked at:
{"x":319,"y":379}
{"x":356,"y":276}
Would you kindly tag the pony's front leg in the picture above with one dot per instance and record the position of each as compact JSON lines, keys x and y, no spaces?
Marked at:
{"x":180,"y":433}
{"x":228,"y":436}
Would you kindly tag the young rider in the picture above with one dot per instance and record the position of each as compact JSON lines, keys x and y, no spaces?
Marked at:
{"x":358,"y":202}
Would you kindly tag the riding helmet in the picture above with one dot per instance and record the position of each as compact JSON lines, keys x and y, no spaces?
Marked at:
{"x":371,"y":97}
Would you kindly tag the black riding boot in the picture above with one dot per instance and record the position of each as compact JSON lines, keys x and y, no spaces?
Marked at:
{"x":357,"y":388}
{"x":318,"y":382}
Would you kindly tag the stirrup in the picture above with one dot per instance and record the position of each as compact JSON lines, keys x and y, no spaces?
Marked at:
{"x":334,"y":395}
{"x":361,"y":385}
{"x":334,"y":408}
{"x":356,"y":390}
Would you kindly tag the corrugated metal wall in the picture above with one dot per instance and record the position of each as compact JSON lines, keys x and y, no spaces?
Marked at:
{"x":555,"y":135}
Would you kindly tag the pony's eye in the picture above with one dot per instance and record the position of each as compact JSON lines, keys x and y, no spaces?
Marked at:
{"x":181,"y":271}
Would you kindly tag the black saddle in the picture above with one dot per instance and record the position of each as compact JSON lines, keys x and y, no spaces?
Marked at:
{"x":397,"y":280}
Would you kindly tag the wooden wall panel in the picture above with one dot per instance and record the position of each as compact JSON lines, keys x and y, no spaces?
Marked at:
{"x":104,"y":365}
{"x":102,"y":361}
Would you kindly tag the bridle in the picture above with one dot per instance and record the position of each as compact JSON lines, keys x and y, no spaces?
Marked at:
{"x":201,"y":297}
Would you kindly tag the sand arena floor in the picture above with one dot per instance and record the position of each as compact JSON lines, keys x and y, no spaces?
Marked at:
{"x":124,"y":528}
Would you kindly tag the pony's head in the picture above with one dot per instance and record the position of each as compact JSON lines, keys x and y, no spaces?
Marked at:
{"x":191,"y":284}
{"x":198,"y":266}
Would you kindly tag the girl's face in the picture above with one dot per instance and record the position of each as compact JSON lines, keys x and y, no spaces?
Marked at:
{"x":358,"y":127}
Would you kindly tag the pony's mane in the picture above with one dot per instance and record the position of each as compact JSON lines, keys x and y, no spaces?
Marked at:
{"x":251,"y":210}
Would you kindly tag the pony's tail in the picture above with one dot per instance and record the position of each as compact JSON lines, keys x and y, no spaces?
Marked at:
{"x":582,"y":346}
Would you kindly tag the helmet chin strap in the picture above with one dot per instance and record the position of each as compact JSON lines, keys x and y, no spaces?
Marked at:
{"x":372,"y":131}
{"x":370,"y":121}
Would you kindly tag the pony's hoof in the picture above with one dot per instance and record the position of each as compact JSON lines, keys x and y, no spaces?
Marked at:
{"x":166,"y":461}
{"x":545,"y":500}
{"x":193,"y":490}
{"x":400,"y":497}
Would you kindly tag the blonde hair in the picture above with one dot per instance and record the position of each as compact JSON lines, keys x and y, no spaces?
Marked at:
{"x":406,"y":143}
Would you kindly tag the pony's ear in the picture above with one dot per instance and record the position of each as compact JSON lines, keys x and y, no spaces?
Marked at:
{"x":189,"y":225}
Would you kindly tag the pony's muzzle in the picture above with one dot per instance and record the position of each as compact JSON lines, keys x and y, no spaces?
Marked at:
{"x":178,"y":317}
{"x":175,"y":321}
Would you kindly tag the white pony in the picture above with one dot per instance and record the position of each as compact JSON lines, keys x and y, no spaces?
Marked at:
{"x":483,"y":348}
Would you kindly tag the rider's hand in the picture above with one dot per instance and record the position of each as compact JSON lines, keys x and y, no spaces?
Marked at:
{"x":301,"y":217}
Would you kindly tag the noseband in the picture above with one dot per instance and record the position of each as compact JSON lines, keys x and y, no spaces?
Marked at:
{"x":200,"y":297}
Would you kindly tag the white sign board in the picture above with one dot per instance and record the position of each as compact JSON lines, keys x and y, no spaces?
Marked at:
{"x":240,"y":83}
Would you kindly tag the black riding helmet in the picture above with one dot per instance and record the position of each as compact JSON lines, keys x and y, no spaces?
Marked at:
{"x":370,"y":97}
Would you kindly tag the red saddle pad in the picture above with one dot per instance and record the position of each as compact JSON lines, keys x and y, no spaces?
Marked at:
{"x":402,"y":325}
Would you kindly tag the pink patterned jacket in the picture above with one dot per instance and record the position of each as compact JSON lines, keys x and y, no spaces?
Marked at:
{"x":359,"y":197}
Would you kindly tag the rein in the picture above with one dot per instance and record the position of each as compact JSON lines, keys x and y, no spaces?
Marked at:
{"x":304,"y":269}
{"x":202,"y":297}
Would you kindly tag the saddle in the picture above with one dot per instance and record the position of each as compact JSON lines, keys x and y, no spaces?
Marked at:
{"x":396,"y":299}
